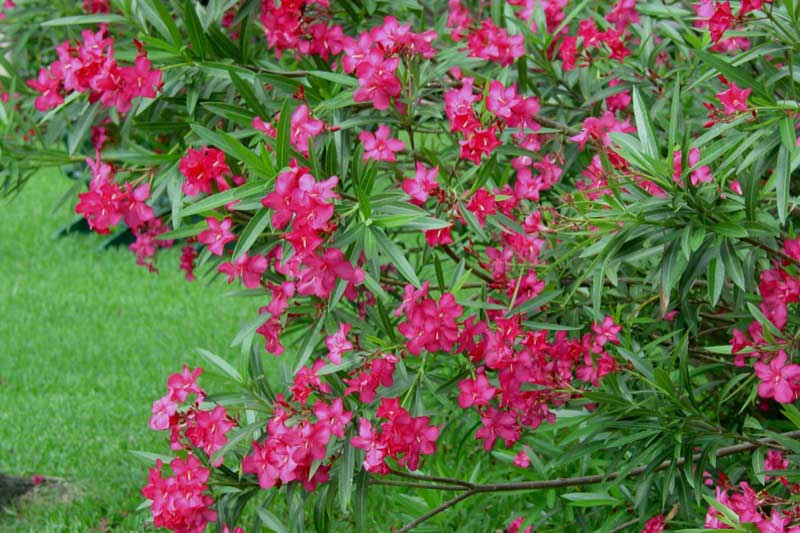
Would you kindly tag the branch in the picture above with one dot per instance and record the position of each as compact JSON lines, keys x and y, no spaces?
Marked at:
{"x":550,"y":123}
{"x":449,"y":251}
{"x":770,"y":250}
{"x":472,"y":489}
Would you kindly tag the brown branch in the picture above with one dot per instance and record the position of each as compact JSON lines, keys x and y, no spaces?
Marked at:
{"x":449,"y":251}
{"x":770,"y":250}
{"x":473,"y":489}
{"x":438,"y":479}
{"x":413,"y":485}
{"x":550,"y":123}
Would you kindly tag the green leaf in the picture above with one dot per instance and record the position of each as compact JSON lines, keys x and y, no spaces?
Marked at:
{"x":393,"y":252}
{"x":247,"y":93}
{"x":763,"y":320}
{"x":783,"y":181}
{"x":729,"y":229}
{"x":271,"y":521}
{"x":221,"y":364}
{"x":78,"y":133}
{"x":215,"y":200}
{"x":733,"y":264}
{"x":643,"y":126}
{"x":675,"y":113}
{"x":335,"y":77}
{"x":346,"y":466}
{"x":590,"y":499}
{"x":792,"y":413}
{"x":159,"y":16}
{"x":282,"y":146}
{"x":231,"y":146}
{"x":149,"y":457}
{"x":76,"y":20}
{"x":251,"y":232}
{"x":361,"y":501}
{"x":197,"y":36}
{"x":672,"y":267}
{"x":736,"y":74}
{"x":715,"y":279}
{"x":308,"y":348}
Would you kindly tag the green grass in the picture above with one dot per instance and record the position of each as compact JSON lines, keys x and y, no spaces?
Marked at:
{"x":87,"y":340}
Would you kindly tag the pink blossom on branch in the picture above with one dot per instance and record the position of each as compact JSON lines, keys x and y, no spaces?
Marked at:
{"x":380,"y":146}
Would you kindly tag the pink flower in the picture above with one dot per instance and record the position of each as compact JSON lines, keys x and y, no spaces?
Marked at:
{"x":422,"y":184}
{"x":498,"y":423}
{"x":188,"y":255}
{"x":734,"y":98}
{"x":439,"y":237}
{"x":482,"y":204}
{"x":522,"y":460}
{"x":377,"y":80}
{"x":180,"y":502}
{"x":246,"y":267}
{"x":185,"y":383}
{"x":778,"y":380}
{"x":481,"y":141}
{"x":720,"y":20}
{"x":607,"y":331}
{"x":699,"y":174}
{"x":208,"y":431}
{"x":135,"y":208}
{"x":333,"y":416}
{"x":775,"y":461}
{"x":501,"y":100}
{"x":777,"y":523}
{"x":366,"y":382}
{"x":475,"y":391}
{"x":338,"y":344}
{"x":162,"y":410}
{"x":217,"y":235}
{"x":495,"y":44}
{"x":49,"y":88}
{"x":655,"y":524}
{"x":141,"y":80}
{"x":203,"y":167}
{"x":303,"y":128}
{"x":379,"y":146}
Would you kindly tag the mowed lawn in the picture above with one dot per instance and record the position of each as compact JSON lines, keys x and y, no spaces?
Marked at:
{"x":87,"y":339}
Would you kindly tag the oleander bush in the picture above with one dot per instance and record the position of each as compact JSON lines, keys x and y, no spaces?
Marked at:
{"x":524,"y":265}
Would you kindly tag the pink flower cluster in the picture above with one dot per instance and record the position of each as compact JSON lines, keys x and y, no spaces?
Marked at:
{"x":180,"y":502}
{"x":375,"y":55}
{"x":718,"y":18}
{"x":203,"y":429}
{"x":289,"y":452}
{"x":780,"y":378}
{"x":90,"y":66}
{"x":203,"y":168}
{"x":302,"y":128}
{"x":304,"y":203}
{"x":107,"y":203}
{"x":508,"y":109}
{"x":429,"y":325}
{"x":520,"y":359}
{"x":761,"y":508}
{"x":380,"y":146}
{"x":699,"y":174}
{"x":291,"y":25}
{"x":591,"y":38}
{"x":402,"y":437}
{"x":485,"y":40}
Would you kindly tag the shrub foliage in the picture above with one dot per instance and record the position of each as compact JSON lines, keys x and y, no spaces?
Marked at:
{"x":523,"y":264}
